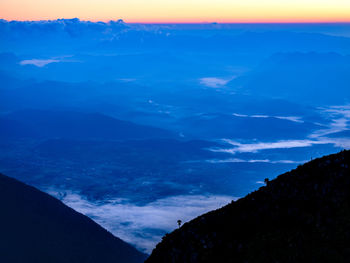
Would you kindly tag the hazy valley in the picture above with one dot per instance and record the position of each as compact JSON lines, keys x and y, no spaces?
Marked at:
{"x":137,"y":126}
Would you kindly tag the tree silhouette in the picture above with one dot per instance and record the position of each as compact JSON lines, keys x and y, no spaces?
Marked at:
{"x":179,"y":222}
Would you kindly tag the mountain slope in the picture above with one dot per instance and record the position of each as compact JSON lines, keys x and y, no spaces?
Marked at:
{"x":77,"y":125}
{"x":36,"y":227}
{"x":301,"y":216}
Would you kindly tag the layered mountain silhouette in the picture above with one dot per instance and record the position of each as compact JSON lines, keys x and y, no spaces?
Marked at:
{"x":35,"y":227}
{"x":259,"y":126}
{"x":300,"y":77}
{"x":74,"y":125}
{"x":301,"y":216}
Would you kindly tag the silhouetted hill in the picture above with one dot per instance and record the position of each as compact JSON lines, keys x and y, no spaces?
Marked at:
{"x":76,"y":125}
{"x":36,"y":227}
{"x":301,"y":216}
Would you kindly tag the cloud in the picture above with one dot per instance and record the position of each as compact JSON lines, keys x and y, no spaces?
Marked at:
{"x":38,"y":62}
{"x":340,"y":118}
{"x":256,"y":147}
{"x":284,"y":144}
{"x":341,"y":142}
{"x":339,"y":109}
{"x":337,"y":125}
{"x":289,"y":118}
{"x":213,"y":82}
{"x":126,"y":79}
{"x":43,"y":62}
{"x":236,"y":160}
{"x":62,"y":28}
{"x":142,"y":226}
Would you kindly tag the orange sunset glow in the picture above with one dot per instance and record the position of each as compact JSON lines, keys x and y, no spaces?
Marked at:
{"x":180,"y":11}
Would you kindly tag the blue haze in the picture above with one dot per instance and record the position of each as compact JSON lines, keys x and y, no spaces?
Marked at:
{"x":140,"y":125}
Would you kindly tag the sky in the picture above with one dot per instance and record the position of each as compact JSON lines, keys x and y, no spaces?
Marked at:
{"x":179,"y":11}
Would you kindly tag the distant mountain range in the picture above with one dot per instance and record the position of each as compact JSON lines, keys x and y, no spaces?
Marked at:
{"x":35,"y":227}
{"x":74,"y":125}
{"x":75,"y":35}
{"x":300,"y":77}
{"x":245,"y":126}
{"x":301,"y":216}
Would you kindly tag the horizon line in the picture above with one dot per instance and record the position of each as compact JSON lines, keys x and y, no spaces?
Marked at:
{"x":187,"y":22}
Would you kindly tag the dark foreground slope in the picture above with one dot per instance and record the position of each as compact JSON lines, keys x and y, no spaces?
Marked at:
{"x":35,"y":227}
{"x":302,"y":216}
